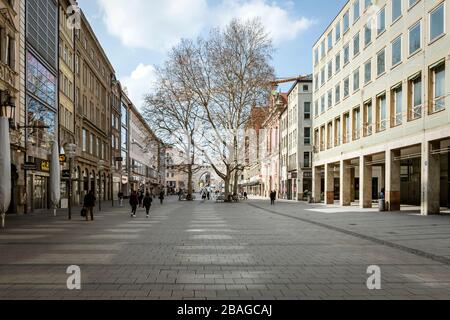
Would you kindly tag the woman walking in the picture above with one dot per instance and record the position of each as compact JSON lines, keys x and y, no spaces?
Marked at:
{"x":148,"y":203}
{"x":134,"y":201}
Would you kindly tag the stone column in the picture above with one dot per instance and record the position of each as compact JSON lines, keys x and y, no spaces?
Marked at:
{"x":365,"y":182}
{"x":431,"y":180}
{"x":352,"y":184}
{"x":346,"y":185}
{"x":316,"y":184}
{"x":329,"y":184}
{"x":392,"y":180}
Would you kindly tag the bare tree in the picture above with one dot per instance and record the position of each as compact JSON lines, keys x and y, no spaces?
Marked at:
{"x":174,"y":113}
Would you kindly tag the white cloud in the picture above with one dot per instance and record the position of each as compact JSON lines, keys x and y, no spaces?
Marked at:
{"x":158,"y":25}
{"x":139,"y":83}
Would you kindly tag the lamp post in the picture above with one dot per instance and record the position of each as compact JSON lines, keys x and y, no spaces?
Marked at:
{"x":101,"y":167}
{"x":70,"y":150}
{"x":7,"y":112}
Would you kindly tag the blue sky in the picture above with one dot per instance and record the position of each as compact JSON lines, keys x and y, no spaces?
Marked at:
{"x":136,"y":33}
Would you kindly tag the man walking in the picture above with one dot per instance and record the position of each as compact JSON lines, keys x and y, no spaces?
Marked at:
{"x":134,"y":201}
{"x":148,"y":203}
{"x":273,"y":197}
{"x":89,"y":204}
{"x":161,"y":196}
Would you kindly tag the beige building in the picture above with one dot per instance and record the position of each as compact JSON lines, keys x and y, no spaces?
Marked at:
{"x":381,"y":105}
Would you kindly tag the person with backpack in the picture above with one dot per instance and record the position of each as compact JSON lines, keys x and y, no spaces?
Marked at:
{"x":134,"y":201}
{"x":147,"y":203}
{"x":89,"y":204}
{"x":161,"y":196}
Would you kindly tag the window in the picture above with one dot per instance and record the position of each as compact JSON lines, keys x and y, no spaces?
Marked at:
{"x":322,"y":76}
{"x":347,"y":136}
{"x":316,"y":140}
{"x":316,"y":56}
{"x":322,"y":49}
{"x":368,"y":119}
{"x":337,"y":94}
{"x":368,"y":33}
{"x":84,"y":140}
{"x":415,"y":35}
{"x":356,"y":124}
{"x":415,"y":97}
{"x":322,"y":104}
{"x":356,"y":80}
{"x":330,"y":135}
{"x":397,"y":103}
{"x":306,"y":160}
{"x":367,"y":72}
{"x":437,"y":22}
{"x":437,"y":78}
{"x":316,"y":108}
{"x":381,"y":62}
{"x":322,"y":138}
{"x":330,"y":41}
{"x":307,"y":108}
{"x":356,"y":11}
{"x":356,"y":44}
{"x":307,"y":136}
{"x":305,"y":88}
{"x":92,"y":145}
{"x":316,"y":82}
{"x":338,"y":62}
{"x":330,"y":69}
{"x":338,"y":31}
{"x":396,"y":9}
{"x":381,"y":113}
{"x":397,"y":51}
{"x":337,"y":132}
{"x":367,"y":4}
{"x":346,"y":87}
{"x":346,"y":21}
{"x":346,"y":54}
{"x":412,"y":2}
{"x":381,"y":21}
{"x":330,"y":98}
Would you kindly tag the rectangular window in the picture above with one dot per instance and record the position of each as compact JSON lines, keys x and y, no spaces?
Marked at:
{"x":356,"y":11}
{"x":412,"y":2}
{"x":437,"y":27}
{"x":322,"y":104}
{"x":367,"y":71}
{"x":381,"y":113}
{"x":338,"y":31}
{"x":330,"y":69}
{"x":307,"y":136}
{"x":338,"y":62}
{"x":367,"y":4}
{"x":330,"y":41}
{"x":397,"y":51}
{"x":381,"y":21}
{"x":415,"y":38}
{"x":330,"y":135}
{"x":337,"y":94}
{"x":415,"y":98}
{"x":330,"y":98}
{"x":396,"y":9}
{"x":381,"y":62}
{"x":346,"y":87}
{"x":307,"y":108}
{"x":346,"y":21}
{"x":356,"y":44}
{"x":316,"y":56}
{"x":322,"y":76}
{"x":337,"y":132}
{"x":347,"y":135}
{"x":322,"y":138}
{"x":356,"y":124}
{"x":397,"y":106}
{"x":84,"y":140}
{"x":322,"y":49}
{"x":306,"y":160}
{"x":437,"y":78}
{"x":346,"y":54}
{"x":356,"y":80}
{"x":316,"y":108}
{"x":368,"y":33}
{"x":316,"y":82}
{"x":368,"y":119}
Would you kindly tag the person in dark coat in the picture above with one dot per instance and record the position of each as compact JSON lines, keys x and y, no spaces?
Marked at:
{"x":89,"y":204}
{"x":148,"y":203}
{"x":161,"y":197}
{"x":134,"y":201}
{"x":273,"y":197}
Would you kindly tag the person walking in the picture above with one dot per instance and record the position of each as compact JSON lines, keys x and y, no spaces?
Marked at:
{"x":120,"y":195}
{"x":161,"y":196}
{"x":89,"y":204}
{"x":147,"y":203}
{"x":134,"y":201}
{"x":273,"y":197}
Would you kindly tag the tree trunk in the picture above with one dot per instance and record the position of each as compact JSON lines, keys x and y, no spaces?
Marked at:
{"x":189,"y":193}
{"x":236,"y":182}
{"x":227,"y":188}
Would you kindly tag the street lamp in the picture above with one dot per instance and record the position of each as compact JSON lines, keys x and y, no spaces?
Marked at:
{"x":101,"y":167}
{"x":7,"y":112}
{"x":71,"y":151}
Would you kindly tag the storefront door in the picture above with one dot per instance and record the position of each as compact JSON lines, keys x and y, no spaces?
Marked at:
{"x":40,"y":199}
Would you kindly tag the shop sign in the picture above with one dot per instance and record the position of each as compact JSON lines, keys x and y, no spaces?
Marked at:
{"x":30,"y":166}
{"x":45,"y":166}
{"x":62,"y":158}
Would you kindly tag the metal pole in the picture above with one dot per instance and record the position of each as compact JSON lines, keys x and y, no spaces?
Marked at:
{"x":99,"y":191}
{"x":111,"y":178}
{"x":70,"y":187}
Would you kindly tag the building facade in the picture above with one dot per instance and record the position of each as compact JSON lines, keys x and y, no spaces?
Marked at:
{"x":296,"y":147}
{"x":381,"y":96}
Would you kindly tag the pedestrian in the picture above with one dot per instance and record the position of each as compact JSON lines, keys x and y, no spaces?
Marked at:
{"x":273,"y":197}
{"x":141,"y":197}
{"x":89,"y":204}
{"x":245,"y":196}
{"x":134,"y":201}
{"x":120,"y":195}
{"x":161,"y":197}
{"x":383,"y":194}
{"x":209,"y":195}
{"x":147,"y":203}
{"x":180,"y":193}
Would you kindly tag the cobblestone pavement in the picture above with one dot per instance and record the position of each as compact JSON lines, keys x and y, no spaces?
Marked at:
{"x":245,"y":251}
